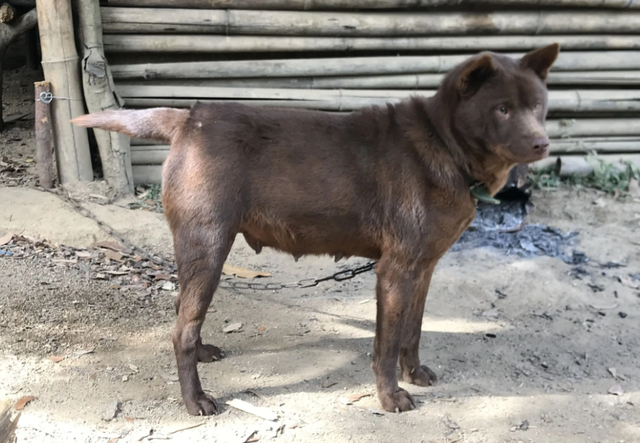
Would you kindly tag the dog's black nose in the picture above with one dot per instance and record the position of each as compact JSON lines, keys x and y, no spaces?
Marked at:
{"x":540,"y":143}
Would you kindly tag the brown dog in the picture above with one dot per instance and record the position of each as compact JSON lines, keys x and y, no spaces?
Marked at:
{"x":388,"y":183}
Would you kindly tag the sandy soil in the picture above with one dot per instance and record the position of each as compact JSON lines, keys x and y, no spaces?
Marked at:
{"x":531,"y":363}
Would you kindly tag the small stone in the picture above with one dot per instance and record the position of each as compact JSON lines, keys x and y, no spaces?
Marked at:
{"x":622,"y":314}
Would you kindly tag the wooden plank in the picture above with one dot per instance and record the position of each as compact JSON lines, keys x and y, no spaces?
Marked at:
{"x":45,"y":152}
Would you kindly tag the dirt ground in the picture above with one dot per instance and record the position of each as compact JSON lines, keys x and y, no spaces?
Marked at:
{"x":527,"y":350}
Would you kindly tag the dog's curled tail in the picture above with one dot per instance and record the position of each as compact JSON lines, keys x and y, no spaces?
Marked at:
{"x":155,"y":123}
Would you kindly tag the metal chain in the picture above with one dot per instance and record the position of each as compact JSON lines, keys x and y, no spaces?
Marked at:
{"x":77,"y":206}
{"x":347,"y":274}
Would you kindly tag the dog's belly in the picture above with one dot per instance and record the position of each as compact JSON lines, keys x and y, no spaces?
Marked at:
{"x":332,"y":238}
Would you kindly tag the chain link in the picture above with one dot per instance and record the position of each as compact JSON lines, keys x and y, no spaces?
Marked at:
{"x":346,"y":274}
{"x":305,"y":283}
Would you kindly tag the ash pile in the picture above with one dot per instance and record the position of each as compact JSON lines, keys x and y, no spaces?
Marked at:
{"x":504,"y":227}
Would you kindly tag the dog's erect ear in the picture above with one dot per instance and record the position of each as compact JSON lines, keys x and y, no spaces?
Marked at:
{"x":540,"y":60}
{"x":475,"y":73}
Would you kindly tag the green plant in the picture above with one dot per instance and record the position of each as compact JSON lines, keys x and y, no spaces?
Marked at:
{"x":607,"y":177}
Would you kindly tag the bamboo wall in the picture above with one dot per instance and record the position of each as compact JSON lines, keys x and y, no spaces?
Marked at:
{"x":326,"y":54}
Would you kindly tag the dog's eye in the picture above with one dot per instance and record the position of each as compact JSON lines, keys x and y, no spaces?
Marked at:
{"x":502,"y":110}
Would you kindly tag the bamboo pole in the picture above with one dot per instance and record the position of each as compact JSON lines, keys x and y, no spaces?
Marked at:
{"x":44,"y":137}
{"x":366,"y":4}
{"x":123,"y":43}
{"x":408,"y":81}
{"x":607,"y":145}
{"x":593,"y":127}
{"x":344,"y":66}
{"x":147,"y":174}
{"x":352,"y":103}
{"x":559,"y":130}
{"x":567,"y":165}
{"x":559,"y":101}
{"x":151,"y":154}
{"x":60,"y":65}
{"x":248,"y":22}
{"x":99,"y":93}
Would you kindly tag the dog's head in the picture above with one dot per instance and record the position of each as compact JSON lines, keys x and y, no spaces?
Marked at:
{"x":501,"y":103}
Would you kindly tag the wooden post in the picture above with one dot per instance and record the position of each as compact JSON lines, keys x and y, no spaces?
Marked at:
{"x":99,"y":93}
{"x":44,"y":136}
{"x":8,"y":424}
{"x":60,"y":65}
{"x":10,"y":29}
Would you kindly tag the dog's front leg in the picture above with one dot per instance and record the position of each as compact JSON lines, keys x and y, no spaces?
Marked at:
{"x":394,"y":291}
{"x":412,"y":371}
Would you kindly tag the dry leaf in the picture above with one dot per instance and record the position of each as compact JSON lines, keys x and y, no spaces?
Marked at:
{"x":114,"y":246}
{"x":169,"y":377}
{"x":20,"y":404}
{"x":628,"y":282}
{"x":356,"y":397}
{"x":328,"y":384}
{"x":491,"y":313}
{"x":113,"y":255}
{"x":84,"y":254}
{"x":5,"y":239}
{"x":162,"y":277}
{"x":605,"y":307}
{"x":242,"y":272}
{"x":77,"y":354}
{"x":56,"y":358}
{"x":616,"y":390}
{"x":261,"y":412}
{"x":233,"y":327}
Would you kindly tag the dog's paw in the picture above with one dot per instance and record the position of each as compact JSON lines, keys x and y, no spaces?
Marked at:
{"x":209,"y":353}
{"x":398,"y":401}
{"x":202,"y":404}
{"x":422,"y":376}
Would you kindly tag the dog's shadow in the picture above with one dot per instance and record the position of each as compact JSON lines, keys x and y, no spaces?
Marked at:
{"x":492,"y":362}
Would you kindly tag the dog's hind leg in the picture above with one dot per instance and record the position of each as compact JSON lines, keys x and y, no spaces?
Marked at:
{"x":200,"y":254}
{"x":206,"y":353}
{"x":412,"y":371}
{"x":394,"y":290}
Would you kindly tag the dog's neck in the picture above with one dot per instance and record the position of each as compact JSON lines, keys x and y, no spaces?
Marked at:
{"x":475,"y":163}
